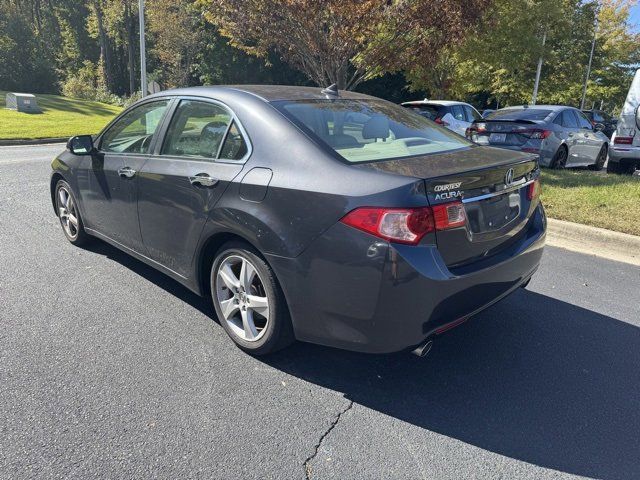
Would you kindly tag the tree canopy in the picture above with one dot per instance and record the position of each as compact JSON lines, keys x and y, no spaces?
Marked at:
{"x":483,"y":51}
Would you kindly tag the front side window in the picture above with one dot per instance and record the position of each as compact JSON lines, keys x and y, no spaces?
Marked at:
{"x":369,"y":130}
{"x":133,"y":132}
{"x":197,"y":129}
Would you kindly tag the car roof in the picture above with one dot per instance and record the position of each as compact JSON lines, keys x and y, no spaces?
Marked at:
{"x":553,"y":108}
{"x":444,"y":103}
{"x":268,"y":93}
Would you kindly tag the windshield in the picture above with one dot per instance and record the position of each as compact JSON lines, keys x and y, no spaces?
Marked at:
{"x":370,"y":130}
{"x":519,"y":114}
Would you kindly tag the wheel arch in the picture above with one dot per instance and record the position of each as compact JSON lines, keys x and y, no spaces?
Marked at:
{"x":207,"y":252}
{"x":55,"y":178}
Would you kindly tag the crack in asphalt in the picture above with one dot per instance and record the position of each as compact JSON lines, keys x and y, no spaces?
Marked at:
{"x":307,"y":462}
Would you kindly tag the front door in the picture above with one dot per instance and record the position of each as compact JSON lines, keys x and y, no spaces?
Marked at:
{"x":109,"y":180}
{"x":202,"y":152}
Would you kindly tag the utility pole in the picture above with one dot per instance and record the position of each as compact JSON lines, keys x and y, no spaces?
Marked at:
{"x":143,"y":53}
{"x":534,"y":97}
{"x":586,"y":78}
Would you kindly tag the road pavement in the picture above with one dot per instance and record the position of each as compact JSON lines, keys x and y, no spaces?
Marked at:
{"x":109,"y":369}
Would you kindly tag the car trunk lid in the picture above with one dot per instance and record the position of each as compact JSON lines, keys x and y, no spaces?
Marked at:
{"x":493,"y":186}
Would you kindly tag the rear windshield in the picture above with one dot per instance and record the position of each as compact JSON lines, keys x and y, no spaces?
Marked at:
{"x":428,"y":111}
{"x":519,"y":114}
{"x":370,"y":130}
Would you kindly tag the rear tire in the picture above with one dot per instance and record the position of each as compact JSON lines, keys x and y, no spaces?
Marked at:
{"x":600,"y":159}
{"x":559,"y":160}
{"x":249,"y":301}
{"x":69,"y":214}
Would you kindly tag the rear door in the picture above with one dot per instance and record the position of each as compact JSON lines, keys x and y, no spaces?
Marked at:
{"x":203,"y":150}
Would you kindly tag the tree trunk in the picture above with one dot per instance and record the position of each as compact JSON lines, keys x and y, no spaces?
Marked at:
{"x":105,"y":54}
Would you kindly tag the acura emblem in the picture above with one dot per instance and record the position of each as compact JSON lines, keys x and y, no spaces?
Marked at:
{"x":508,"y":177}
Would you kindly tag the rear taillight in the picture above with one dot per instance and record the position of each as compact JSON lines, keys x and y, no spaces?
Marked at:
{"x":536,"y":133}
{"x":449,"y":215}
{"x":440,"y":121}
{"x":534,"y":189}
{"x":623,"y":140}
{"x":406,"y":225}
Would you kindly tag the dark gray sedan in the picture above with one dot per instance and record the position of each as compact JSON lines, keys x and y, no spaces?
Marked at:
{"x":324,"y":216}
{"x":562,"y":136}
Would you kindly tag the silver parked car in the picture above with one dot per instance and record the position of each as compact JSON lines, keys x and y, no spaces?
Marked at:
{"x":562,"y":136}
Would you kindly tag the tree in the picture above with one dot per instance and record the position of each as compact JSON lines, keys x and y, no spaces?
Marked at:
{"x":345,"y":41}
{"x":178,"y":48}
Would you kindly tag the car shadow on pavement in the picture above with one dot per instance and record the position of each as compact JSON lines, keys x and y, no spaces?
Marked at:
{"x":533,"y":378}
{"x":151,"y":274}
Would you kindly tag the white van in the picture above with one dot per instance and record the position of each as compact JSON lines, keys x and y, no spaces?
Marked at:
{"x":624,"y":156}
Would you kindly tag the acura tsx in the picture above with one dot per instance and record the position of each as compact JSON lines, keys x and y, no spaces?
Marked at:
{"x":324,"y":216}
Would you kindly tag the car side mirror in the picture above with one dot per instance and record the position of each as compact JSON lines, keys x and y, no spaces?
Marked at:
{"x":81,"y":145}
{"x":638,"y":117}
{"x":599,"y":127}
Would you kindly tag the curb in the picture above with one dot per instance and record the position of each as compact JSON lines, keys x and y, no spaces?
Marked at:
{"x":599,"y":242}
{"x":33,"y":141}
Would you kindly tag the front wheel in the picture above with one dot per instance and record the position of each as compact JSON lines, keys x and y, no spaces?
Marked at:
{"x":248,"y":300}
{"x":69,"y":214}
{"x":600,"y":159}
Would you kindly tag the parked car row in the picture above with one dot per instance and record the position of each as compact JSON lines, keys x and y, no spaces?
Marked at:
{"x":561,"y":136}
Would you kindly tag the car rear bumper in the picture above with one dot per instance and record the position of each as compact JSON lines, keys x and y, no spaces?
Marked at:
{"x":625,"y":154}
{"x":353,"y":291}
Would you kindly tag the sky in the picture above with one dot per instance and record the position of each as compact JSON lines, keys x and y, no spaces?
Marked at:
{"x":634,"y":17}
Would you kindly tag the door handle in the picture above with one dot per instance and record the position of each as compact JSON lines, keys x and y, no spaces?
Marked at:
{"x":126,"y":172}
{"x":203,"y":179}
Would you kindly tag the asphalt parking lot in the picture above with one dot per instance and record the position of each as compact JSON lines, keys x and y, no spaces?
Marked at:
{"x":109,"y":369}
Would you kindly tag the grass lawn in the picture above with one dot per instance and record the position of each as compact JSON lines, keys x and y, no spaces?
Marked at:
{"x":582,"y":196}
{"x":60,"y":117}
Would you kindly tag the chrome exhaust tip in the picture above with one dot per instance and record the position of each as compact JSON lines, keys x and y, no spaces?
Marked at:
{"x":423,"y":349}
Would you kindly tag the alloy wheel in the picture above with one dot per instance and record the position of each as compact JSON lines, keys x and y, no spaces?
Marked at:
{"x":561,"y":158}
{"x":242,"y":298}
{"x":67,"y":213}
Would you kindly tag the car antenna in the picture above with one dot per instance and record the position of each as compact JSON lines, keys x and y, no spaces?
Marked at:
{"x":331,"y":90}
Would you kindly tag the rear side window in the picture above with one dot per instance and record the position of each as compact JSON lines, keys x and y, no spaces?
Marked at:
{"x":569,"y":119}
{"x":197,"y":129}
{"x":528,"y":113}
{"x":234,"y":146}
{"x":366,"y":130}
{"x":458,"y":112}
{"x":597,"y":117}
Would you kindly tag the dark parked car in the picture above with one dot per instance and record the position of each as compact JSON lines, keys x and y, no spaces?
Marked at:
{"x":335,"y":218}
{"x":562,"y":136}
{"x":598,"y":117}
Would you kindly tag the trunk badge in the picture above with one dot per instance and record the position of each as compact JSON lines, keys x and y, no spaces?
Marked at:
{"x":508,"y":177}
